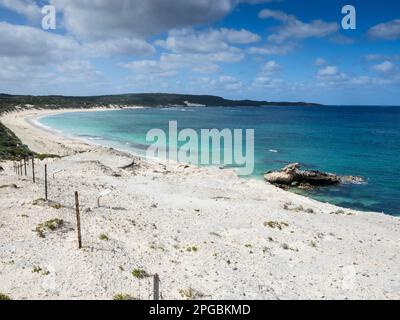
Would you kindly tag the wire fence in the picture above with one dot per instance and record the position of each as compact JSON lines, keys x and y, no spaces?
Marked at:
{"x":149,"y":287}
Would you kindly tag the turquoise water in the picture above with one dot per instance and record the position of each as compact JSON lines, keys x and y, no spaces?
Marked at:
{"x":361,"y":141}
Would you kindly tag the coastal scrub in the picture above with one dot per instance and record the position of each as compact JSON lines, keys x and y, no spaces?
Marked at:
{"x":11,"y":148}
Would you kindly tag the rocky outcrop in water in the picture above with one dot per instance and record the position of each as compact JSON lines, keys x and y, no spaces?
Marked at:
{"x":293,"y":176}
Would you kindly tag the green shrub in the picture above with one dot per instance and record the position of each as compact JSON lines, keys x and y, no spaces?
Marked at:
{"x":51,"y":225}
{"x":123,"y":297}
{"x":275,"y":225}
{"x":192,"y":249}
{"x":103,"y":237}
{"x":44,"y":156}
{"x":11,"y":148}
{"x":36,"y":269}
{"x":4,"y":297}
{"x":139,"y":273}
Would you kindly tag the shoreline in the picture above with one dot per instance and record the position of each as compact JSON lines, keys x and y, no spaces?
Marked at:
{"x":32,"y":120}
{"x":247,"y":239}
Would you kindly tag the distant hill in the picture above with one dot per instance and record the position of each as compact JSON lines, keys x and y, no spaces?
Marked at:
{"x":141,"y":99}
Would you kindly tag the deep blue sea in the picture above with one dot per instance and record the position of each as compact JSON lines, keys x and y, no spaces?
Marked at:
{"x":360,"y":141}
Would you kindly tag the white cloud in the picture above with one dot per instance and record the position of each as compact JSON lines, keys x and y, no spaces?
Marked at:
{"x":170,"y":64}
{"x":292,"y":28}
{"x":191,"y":41}
{"x":361,"y":80}
{"x":386,"y":31}
{"x":198,"y":51}
{"x":228,"y":83}
{"x":43,"y":58}
{"x":385,"y":67}
{"x":239,"y":36}
{"x":220,"y":84}
{"x":374,"y":57}
{"x":34,"y":44}
{"x":330,"y":76}
{"x":281,"y":49}
{"x":124,"y":46}
{"x":271,"y":67}
{"x":104,"y":19}
{"x":161,"y":68}
{"x":377,"y":57}
{"x":27,"y":8}
{"x":328,"y":71}
{"x":319,"y":62}
{"x":264,"y":78}
{"x":267,"y":82}
{"x":341,"y":39}
{"x":208,"y":68}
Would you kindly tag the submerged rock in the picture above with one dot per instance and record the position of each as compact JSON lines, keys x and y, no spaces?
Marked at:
{"x":352,"y":179}
{"x":293,"y":176}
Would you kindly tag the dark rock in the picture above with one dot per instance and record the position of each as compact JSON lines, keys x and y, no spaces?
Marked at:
{"x":305,"y":186}
{"x":293,"y":176}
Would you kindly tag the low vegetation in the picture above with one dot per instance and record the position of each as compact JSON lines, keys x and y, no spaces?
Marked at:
{"x":103,"y":237}
{"x":11,"y":148}
{"x":190,"y":294}
{"x":288,"y":206}
{"x":140,"y":274}
{"x":50,"y":225}
{"x":39,"y":202}
{"x":341,"y":213}
{"x":56,"y":206}
{"x":36,"y":269}
{"x":8,"y":102}
{"x":4,"y":297}
{"x":276,"y":225}
{"x":285,"y":246}
{"x":123,"y":297}
{"x":43,"y":156}
{"x":313,"y":243}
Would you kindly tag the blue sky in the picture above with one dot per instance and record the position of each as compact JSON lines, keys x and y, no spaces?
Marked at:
{"x":276,"y":50}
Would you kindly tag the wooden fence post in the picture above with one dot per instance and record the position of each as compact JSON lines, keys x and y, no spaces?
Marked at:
{"x":33,"y":170}
{"x":78,"y":220}
{"x":156,"y":287}
{"x":45,"y":181}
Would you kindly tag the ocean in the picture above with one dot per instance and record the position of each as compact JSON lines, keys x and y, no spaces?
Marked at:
{"x":345,"y":140}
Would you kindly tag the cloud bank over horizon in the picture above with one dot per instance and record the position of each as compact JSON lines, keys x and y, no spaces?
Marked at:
{"x":259,"y":49}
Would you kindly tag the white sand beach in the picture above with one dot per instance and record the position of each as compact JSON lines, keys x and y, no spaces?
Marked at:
{"x":208,"y":233}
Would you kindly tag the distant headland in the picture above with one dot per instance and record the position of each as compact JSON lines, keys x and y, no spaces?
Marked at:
{"x":139,"y":99}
